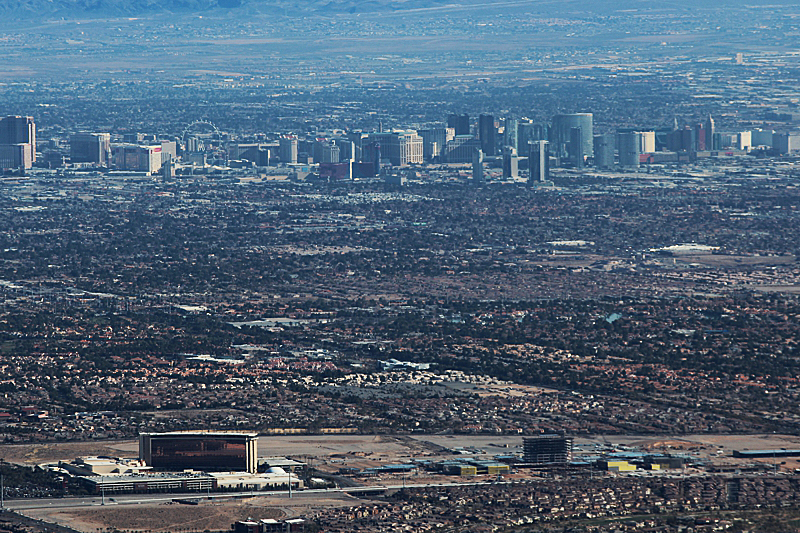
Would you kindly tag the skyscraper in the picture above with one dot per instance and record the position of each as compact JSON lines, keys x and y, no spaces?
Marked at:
{"x":487,"y":134}
{"x":548,"y":449}
{"x":630,"y":149}
{"x":399,"y":147}
{"x":17,"y":142}
{"x":700,"y":138}
{"x":288,"y":149}
{"x":434,"y":140}
{"x":510,"y":133}
{"x":709,"y":134}
{"x":460,"y":123}
{"x":604,"y":150}
{"x":137,"y":158}
{"x":648,"y":142}
{"x":90,"y":148}
{"x":576,"y":147}
{"x":561,"y":131}
{"x":510,"y":163}
{"x":477,"y":167}
{"x":539,"y":162}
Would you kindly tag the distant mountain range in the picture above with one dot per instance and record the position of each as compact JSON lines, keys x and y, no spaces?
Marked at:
{"x":56,"y":9}
{"x":50,"y":9}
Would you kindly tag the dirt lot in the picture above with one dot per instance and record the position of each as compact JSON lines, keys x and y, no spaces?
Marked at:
{"x":326,"y":445}
{"x":48,"y":453}
{"x":176,"y":517}
{"x":275,"y":445}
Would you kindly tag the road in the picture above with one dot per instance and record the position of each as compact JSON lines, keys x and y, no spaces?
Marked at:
{"x":140,"y":499}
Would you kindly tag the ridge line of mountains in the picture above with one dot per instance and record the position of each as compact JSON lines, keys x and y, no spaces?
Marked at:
{"x":56,"y":9}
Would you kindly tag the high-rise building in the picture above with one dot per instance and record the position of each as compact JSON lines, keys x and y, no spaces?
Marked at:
{"x":630,"y":148}
{"x":434,"y":141}
{"x":90,"y":148}
{"x":325,"y":151}
{"x":701,"y":143}
{"x":359,"y":140}
{"x":460,"y":123}
{"x":529,"y":131}
{"x":288,"y":148}
{"x":762,"y":137}
{"x":539,"y":162}
{"x":576,"y":147}
{"x":709,"y":133}
{"x":15,"y":156}
{"x":510,"y":163}
{"x":647,"y":142}
{"x":786,"y":143}
{"x":258,"y":153}
{"x":169,"y":150}
{"x":136,"y":157}
{"x":511,"y":133}
{"x":477,"y":167}
{"x":17,"y":142}
{"x":547,"y":450}
{"x":15,"y":129}
{"x":487,"y":133}
{"x":200,"y":450}
{"x":460,"y":149}
{"x":604,"y":150}
{"x":399,"y":147}
{"x":347,"y":149}
{"x":561,"y":131}
{"x":682,"y":140}
{"x":744,"y":140}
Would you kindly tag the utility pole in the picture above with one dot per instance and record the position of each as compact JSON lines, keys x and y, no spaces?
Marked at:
{"x":2,"y":491}
{"x":290,"y":483}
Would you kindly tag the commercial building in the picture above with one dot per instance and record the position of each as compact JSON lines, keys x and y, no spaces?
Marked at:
{"x":547,"y":449}
{"x":528,"y":132}
{"x":15,"y":156}
{"x":399,"y":147}
{"x":539,"y":162}
{"x":270,"y":525}
{"x":459,"y":123}
{"x":434,"y":140}
{"x":288,"y":149}
{"x":710,"y":130}
{"x":647,"y":142}
{"x":511,"y":133}
{"x":744,"y":141}
{"x":487,"y":133}
{"x":786,"y":143}
{"x":576,"y":154}
{"x":630,"y":149}
{"x":336,"y":171}
{"x":209,"y":451}
{"x":137,"y":158}
{"x":617,"y":466}
{"x":326,"y":152}
{"x":510,"y":163}
{"x":148,"y":483}
{"x":17,"y":142}
{"x":103,"y":466}
{"x":761,"y":137}
{"x":604,"y":150}
{"x":562,"y":130}
{"x":90,"y":148}
{"x":460,"y":149}
{"x":766,"y":454}
{"x":477,"y":167}
{"x":258,"y":153}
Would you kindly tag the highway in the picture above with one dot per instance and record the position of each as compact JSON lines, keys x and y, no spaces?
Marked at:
{"x":142,"y":499}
